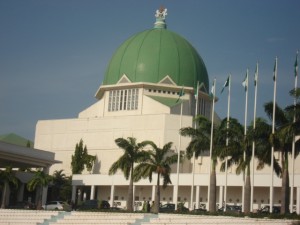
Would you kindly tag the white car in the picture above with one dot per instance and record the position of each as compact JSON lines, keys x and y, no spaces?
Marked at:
{"x":56,"y":205}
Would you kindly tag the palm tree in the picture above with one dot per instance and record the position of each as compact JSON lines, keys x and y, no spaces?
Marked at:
{"x":238,"y":152}
{"x":39,"y":180}
{"x":158,"y":160}
{"x":261,"y":136}
{"x":132,"y":153}
{"x":7,"y":176}
{"x":200,"y":142}
{"x":282,"y":141}
{"x":59,"y":179}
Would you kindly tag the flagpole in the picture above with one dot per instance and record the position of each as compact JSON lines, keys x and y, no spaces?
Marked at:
{"x":211,"y":141}
{"x":178,"y":156}
{"x":273,"y":131}
{"x":245,"y":133}
{"x":293,"y":146}
{"x":193,"y":174}
{"x":227,"y":142}
{"x":253,"y":143}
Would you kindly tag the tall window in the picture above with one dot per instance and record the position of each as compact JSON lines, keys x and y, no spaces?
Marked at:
{"x":123,"y":100}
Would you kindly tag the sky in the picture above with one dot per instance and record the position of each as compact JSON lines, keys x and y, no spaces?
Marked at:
{"x":54,"y":54}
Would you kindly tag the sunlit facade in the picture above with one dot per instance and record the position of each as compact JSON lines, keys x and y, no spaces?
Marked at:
{"x":139,"y":98}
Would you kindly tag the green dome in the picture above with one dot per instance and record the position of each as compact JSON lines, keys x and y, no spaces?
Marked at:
{"x":151,"y":55}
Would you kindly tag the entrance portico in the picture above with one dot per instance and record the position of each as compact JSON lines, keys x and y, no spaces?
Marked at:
{"x":23,"y":157}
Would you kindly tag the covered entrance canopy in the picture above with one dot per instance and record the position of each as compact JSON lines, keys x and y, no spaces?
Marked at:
{"x":23,"y":157}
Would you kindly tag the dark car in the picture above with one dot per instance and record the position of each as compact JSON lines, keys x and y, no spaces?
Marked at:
{"x":199,"y":210}
{"x":170,"y":207}
{"x":23,"y":205}
{"x":231,"y":209}
{"x":167,"y":208}
{"x":94,"y":204}
{"x":104,"y":205}
{"x":266,"y":210}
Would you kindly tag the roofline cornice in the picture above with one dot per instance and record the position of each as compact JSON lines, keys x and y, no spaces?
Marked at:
{"x":160,"y":86}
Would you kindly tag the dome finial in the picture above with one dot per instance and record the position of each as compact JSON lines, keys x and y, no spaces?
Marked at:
{"x":160,"y":18}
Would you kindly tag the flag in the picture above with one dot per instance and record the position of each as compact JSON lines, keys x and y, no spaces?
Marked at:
{"x":296,"y":65}
{"x":212,"y":89}
{"x":225,"y":84}
{"x":180,"y":93}
{"x":275,"y":70}
{"x":197,"y":91}
{"x":245,"y":82}
{"x":256,"y":75}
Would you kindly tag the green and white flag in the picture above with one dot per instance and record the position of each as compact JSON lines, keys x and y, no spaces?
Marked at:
{"x":275,"y":70}
{"x":225,"y":84}
{"x":180,"y":93}
{"x":245,"y":82}
{"x":197,"y":91}
{"x":296,"y":65}
{"x":212,"y":91}
{"x":256,"y":75}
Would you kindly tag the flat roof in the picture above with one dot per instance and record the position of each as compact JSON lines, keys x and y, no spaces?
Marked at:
{"x":24,"y":157}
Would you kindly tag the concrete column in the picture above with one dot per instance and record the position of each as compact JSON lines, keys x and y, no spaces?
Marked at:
{"x":73,"y":193}
{"x":112,"y":193}
{"x":298,"y":201}
{"x":135,"y":207}
{"x":197,"y":196}
{"x":221,"y":196}
{"x":21,"y":193}
{"x":134,"y":188}
{"x":92,"y":192}
{"x":45,"y":189}
{"x":175,"y":195}
{"x":153,"y":193}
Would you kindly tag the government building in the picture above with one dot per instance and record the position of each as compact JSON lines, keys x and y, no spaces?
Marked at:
{"x":139,"y":97}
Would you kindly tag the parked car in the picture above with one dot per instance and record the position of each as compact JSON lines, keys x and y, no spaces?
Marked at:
{"x":231,"y":209}
{"x":266,"y":209}
{"x":170,"y":207}
{"x":23,"y":205}
{"x":104,"y":205}
{"x":57,"y":205}
{"x":89,"y":204}
{"x":94,"y":204}
{"x":199,"y":210}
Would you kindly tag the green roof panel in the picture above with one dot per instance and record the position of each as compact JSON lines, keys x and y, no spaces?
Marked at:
{"x":151,"y":55}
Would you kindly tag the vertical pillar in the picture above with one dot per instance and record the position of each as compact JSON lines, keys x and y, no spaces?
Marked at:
{"x":45,"y":189}
{"x":92,"y":192}
{"x":134,"y":191}
{"x":220,"y":196}
{"x":192,"y":198}
{"x":135,"y":206}
{"x":21,"y":193}
{"x":153,"y":193}
{"x":197,"y":196}
{"x":112,"y":193}
{"x":175,"y":195}
{"x":74,"y":193}
{"x":298,"y":201}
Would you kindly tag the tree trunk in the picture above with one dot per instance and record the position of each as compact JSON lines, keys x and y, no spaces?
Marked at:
{"x":157,"y":195}
{"x":213,"y":189}
{"x":130,"y":192}
{"x":285,"y":188}
{"x":247,"y":193}
{"x":39,"y":196}
{"x":4,"y":193}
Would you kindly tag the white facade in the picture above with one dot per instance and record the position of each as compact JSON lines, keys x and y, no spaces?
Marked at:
{"x":150,"y":118}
